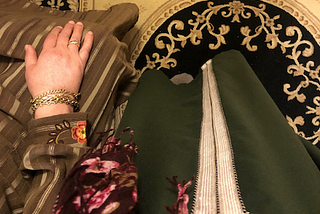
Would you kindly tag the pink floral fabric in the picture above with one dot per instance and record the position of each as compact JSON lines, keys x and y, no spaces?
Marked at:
{"x":94,"y":200}
{"x":181,"y":206}
{"x":98,"y":166}
{"x":103,"y":181}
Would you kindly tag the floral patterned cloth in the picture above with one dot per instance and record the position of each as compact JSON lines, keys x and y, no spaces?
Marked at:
{"x":103,"y":181}
{"x":181,"y":206}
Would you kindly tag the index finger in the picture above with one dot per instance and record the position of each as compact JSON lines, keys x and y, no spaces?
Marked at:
{"x":51,"y":39}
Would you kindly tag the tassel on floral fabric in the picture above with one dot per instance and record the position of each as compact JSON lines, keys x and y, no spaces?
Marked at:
{"x":181,"y":206}
{"x":103,"y":181}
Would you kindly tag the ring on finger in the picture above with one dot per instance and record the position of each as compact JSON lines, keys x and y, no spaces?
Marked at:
{"x":74,"y":42}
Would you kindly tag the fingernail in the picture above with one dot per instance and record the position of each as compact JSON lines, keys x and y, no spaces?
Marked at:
{"x":79,"y":23}
{"x":90,"y":33}
{"x":71,"y":22}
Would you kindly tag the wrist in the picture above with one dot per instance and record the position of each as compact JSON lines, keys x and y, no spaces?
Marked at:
{"x":53,"y":109}
{"x":53,"y":102}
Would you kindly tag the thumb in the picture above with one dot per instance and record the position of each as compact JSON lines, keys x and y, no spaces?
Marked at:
{"x":30,"y":56}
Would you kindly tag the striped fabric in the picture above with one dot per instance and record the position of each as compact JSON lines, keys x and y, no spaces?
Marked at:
{"x":22,"y":22}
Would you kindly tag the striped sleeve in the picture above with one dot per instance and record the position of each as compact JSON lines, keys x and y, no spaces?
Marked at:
{"x":23,"y":22}
{"x":55,"y":144}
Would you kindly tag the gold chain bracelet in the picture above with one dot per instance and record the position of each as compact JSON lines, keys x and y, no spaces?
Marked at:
{"x":55,"y":97}
{"x":55,"y":91}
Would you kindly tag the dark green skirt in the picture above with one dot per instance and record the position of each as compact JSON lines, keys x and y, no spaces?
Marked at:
{"x":275,"y":170}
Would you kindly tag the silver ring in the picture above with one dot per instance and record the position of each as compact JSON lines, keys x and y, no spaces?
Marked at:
{"x":74,"y":42}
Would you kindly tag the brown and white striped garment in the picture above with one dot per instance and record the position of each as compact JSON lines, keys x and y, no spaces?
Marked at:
{"x":23,"y":141}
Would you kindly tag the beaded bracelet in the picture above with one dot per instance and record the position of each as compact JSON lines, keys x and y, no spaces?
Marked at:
{"x":54,"y":97}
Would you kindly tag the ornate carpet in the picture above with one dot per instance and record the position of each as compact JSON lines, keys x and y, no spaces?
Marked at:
{"x":279,"y":38}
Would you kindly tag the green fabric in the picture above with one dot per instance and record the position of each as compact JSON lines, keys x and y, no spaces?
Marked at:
{"x":166,"y":120}
{"x":276,"y":173}
{"x":313,"y":151}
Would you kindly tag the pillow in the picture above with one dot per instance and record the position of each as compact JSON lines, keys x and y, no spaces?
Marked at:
{"x":23,"y":22}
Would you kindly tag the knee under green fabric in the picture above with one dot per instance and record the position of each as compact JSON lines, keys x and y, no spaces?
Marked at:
{"x":278,"y":172}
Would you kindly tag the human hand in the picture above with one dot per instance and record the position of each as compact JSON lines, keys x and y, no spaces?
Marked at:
{"x":59,"y":66}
